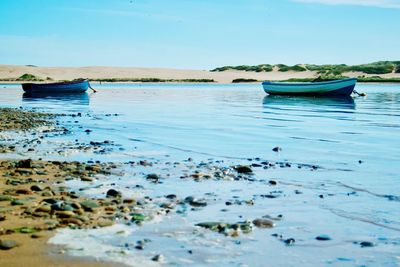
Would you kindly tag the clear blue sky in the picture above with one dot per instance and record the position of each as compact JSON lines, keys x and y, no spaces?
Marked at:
{"x":200,"y":34}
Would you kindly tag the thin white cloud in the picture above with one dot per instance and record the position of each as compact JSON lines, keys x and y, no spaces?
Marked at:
{"x":127,"y":13}
{"x":372,"y":3}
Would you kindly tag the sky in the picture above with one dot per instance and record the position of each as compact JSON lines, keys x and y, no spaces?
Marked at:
{"x":197,"y":34}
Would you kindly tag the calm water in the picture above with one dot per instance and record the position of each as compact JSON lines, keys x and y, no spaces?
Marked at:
{"x":232,"y":123}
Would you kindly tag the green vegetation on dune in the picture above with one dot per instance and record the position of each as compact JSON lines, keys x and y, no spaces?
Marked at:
{"x":284,"y":68}
{"x":363,"y":79}
{"x":243,"y":80}
{"x":378,"y":79}
{"x":258,"y":68}
{"x":380,"y":67}
{"x":28,"y":77}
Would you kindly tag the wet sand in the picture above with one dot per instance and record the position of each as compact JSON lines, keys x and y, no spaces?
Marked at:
{"x":27,"y":189}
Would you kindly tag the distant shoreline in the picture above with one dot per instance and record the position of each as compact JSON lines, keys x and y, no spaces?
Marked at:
{"x":14,"y":74}
{"x":383,"y":81}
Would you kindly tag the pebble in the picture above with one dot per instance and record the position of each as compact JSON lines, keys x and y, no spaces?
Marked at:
{"x":263,"y":223}
{"x":65,"y":214}
{"x":27,"y":163}
{"x":113,"y":193}
{"x":171,"y":196}
{"x":153,"y":177}
{"x":277,"y":149}
{"x":17,"y":202}
{"x":88,"y":205}
{"x":36,"y":188}
{"x":197,"y":202}
{"x":7,"y":244}
{"x":87,"y":179}
{"x":243,"y":169}
{"x":129,"y":201}
{"x":23,"y":191}
{"x":5,"y":198}
{"x":138,"y":217}
{"x":36,"y":236}
{"x":43,"y":208}
{"x":323,"y":238}
{"x":366,"y":244}
{"x":158,"y":258}
{"x":289,"y":241}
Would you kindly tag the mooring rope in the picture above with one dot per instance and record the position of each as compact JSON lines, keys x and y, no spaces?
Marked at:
{"x":359,"y":94}
{"x":92,"y":88}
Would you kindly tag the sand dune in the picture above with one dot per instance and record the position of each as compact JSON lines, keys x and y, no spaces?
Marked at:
{"x":99,"y":72}
{"x":68,"y":73}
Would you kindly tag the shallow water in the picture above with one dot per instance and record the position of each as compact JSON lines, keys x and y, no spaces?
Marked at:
{"x":231,"y":123}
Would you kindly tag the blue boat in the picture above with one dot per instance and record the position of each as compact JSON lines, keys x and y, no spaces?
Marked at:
{"x":77,"y":86}
{"x":342,"y":87}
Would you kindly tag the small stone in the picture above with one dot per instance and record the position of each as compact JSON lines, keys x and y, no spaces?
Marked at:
{"x":43,"y":208}
{"x":153,"y":177}
{"x":23,"y":191}
{"x":65,"y":214}
{"x":139,"y":247}
{"x":198,"y":203}
{"x":57,"y":206}
{"x":272,"y":182}
{"x":88,"y":205}
{"x":17,"y":202}
{"x":366,"y":244}
{"x":256,"y":165}
{"x":5,"y":198}
{"x":243,"y":169}
{"x":323,"y":238}
{"x":36,"y":236}
{"x":7,"y":244}
{"x":87,"y":179}
{"x":277,"y":149}
{"x":138,"y":217}
{"x":94,"y":168}
{"x":27,"y":163}
{"x":105,"y":223}
{"x":113,"y":193}
{"x":2,"y":217}
{"x":25,"y":230}
{"x":289,"y":241}
{"x":158,"y":258}
{"x":36,"y":188}
{"x":171,"y":196}
{"x":263,"y":223}
{"x":129,"y":201}
{"x":47,"y":194}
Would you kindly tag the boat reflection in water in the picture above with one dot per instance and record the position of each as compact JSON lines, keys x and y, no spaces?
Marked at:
{"x":57,"y":99}
{"x":309,"y":102}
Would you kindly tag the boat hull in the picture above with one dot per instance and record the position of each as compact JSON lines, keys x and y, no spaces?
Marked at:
{"x":56,"y":88}
{"x":332,"y":88}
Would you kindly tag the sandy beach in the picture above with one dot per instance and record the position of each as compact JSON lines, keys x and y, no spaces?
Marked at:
{"x":225,"y":77}
{"x":27,"y":189}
